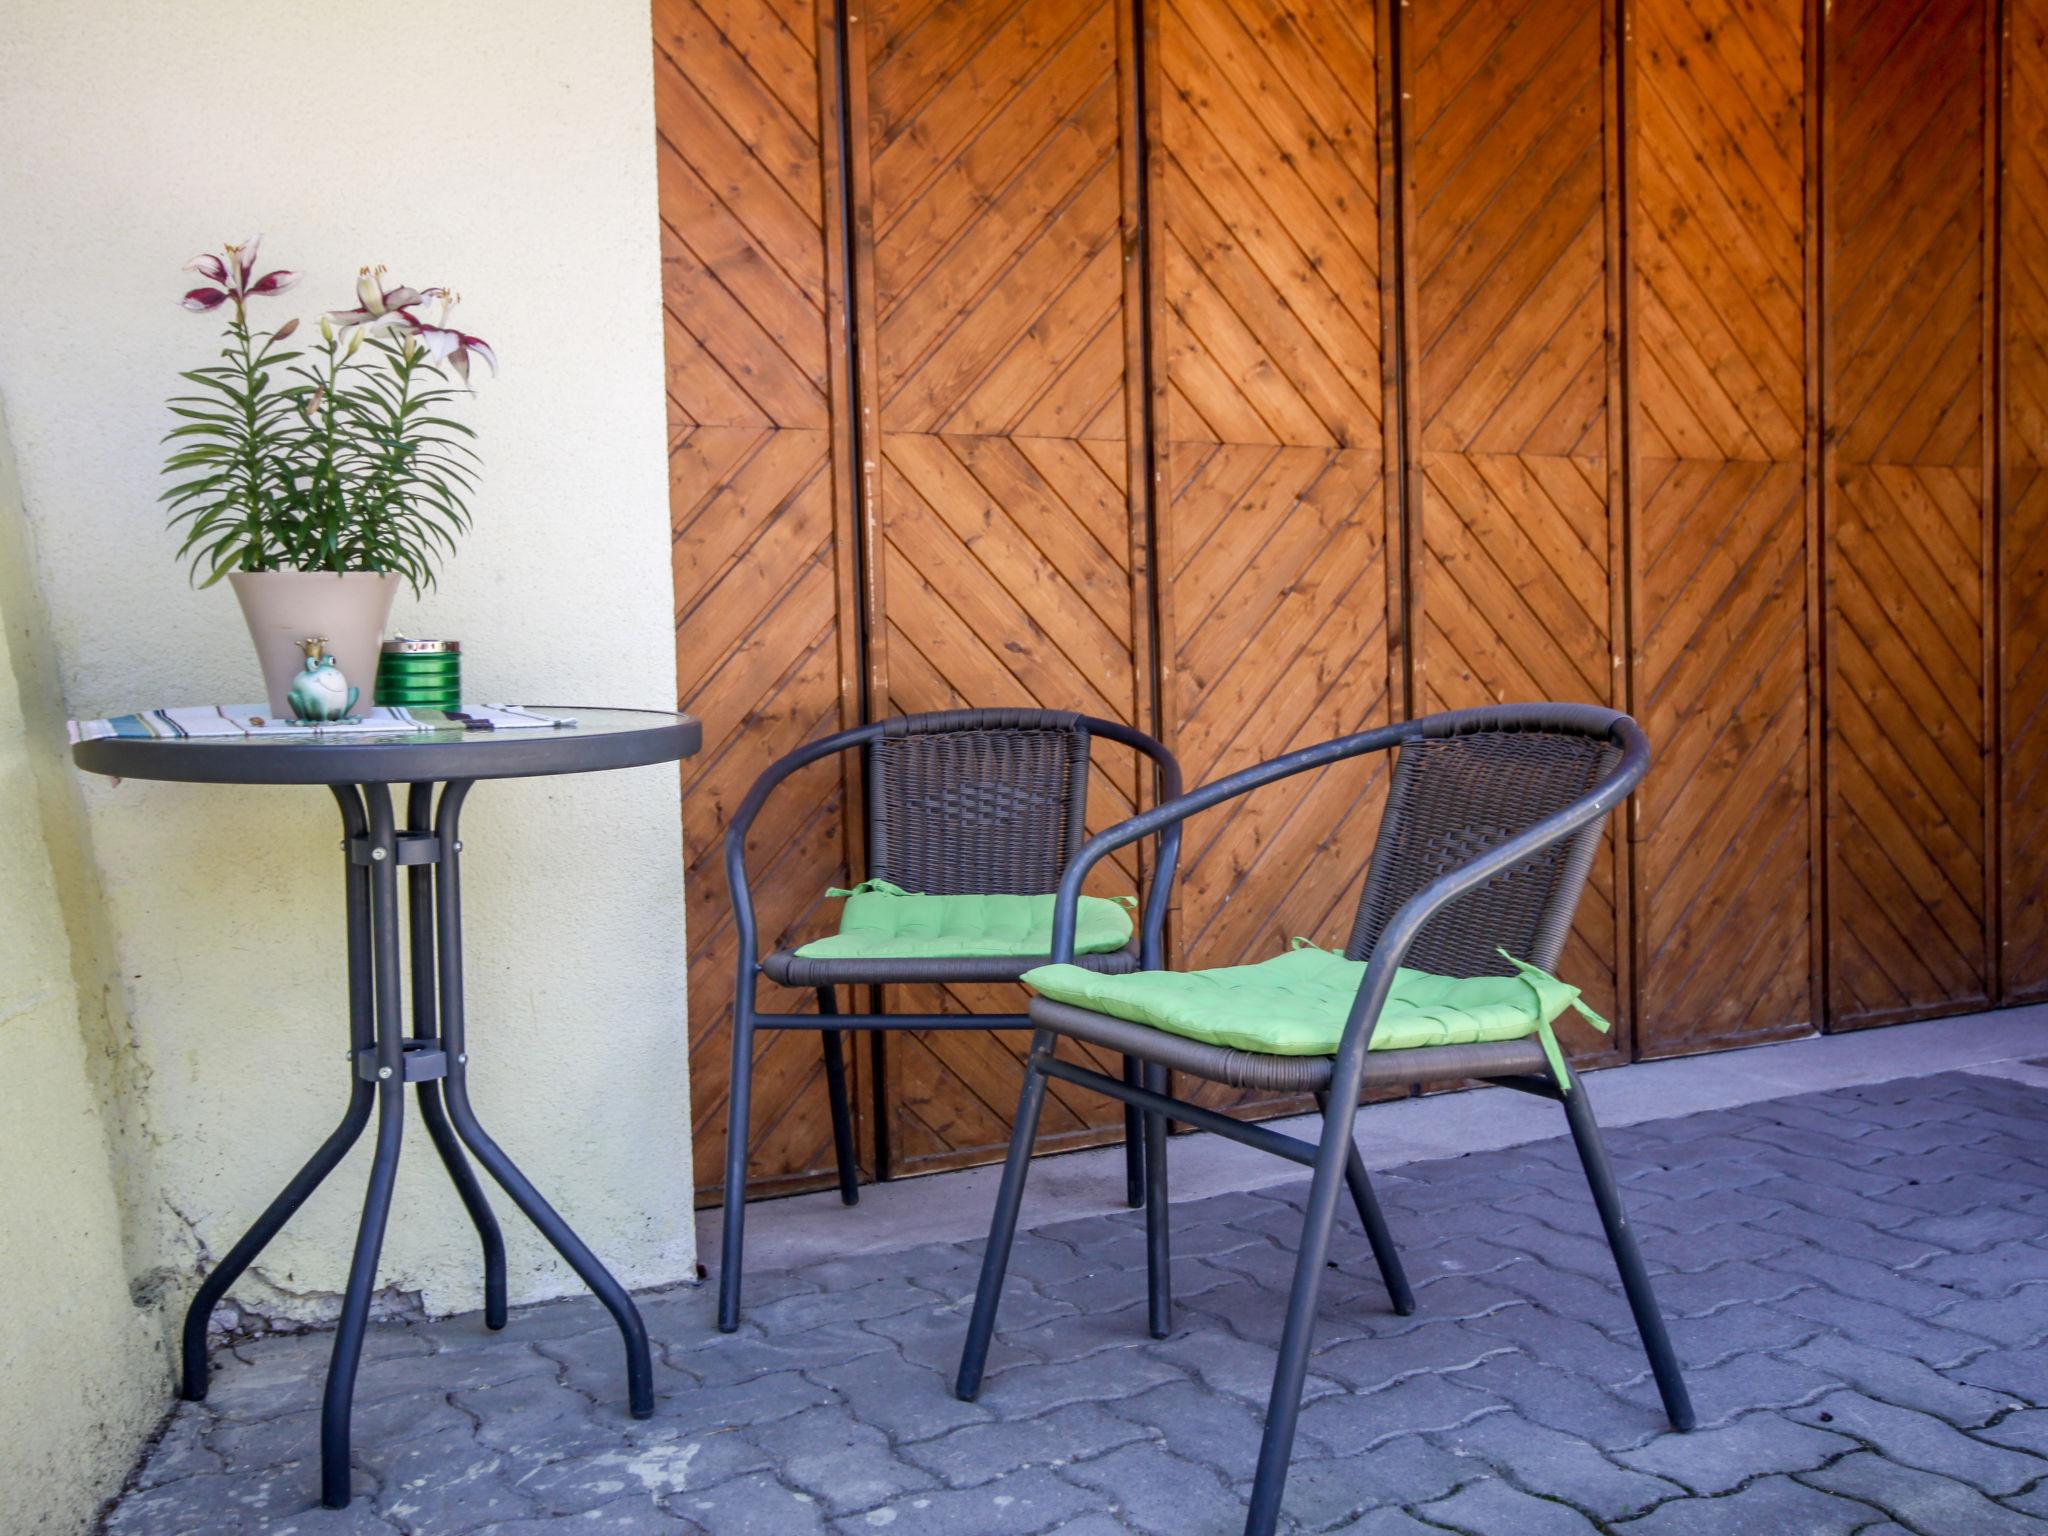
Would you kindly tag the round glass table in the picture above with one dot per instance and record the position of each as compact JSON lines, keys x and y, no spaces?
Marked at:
{"x":438,"y":768}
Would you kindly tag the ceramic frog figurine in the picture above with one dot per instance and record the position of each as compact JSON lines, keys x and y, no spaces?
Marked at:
{"x":320,"y":693}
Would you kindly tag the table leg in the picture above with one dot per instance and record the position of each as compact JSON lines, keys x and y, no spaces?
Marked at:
{"x":361,"y":1033}
{"x":448,"y":914}
{"x":426,"y":1028}
{"x":390,"y":1065}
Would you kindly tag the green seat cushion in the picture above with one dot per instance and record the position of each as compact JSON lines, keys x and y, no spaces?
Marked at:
{"x":1296,"y":1004}
{"x":884,"y":921}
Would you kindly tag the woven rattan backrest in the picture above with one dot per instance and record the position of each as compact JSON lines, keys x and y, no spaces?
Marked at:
{"x":1453,"y":798}
{"x":977,"y":800}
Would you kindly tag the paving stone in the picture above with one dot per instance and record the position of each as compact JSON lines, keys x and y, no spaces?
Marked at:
{"x":2026,"y":1430}
{"x":1871,"y":1255}
{"x":1490,"y":1506}
{"x":1329,"y":1492}
{"x":1896,"y":1378}
{"x":1203,"y":1426}
{"x":842,"y":1463}
{"x":1920,"y":1440}
{"x":1852,"y":1239}
{"x":1992,"y":1272}
{"x":1557,"y":1466}
{"x":2021,"y":1374}
{"x":376,"y":1429}
{"x":1563,"y":1401}
{"x":2012,"y":1319}
{"x":1743,"y":1383}
{"x":1352,"y":1424}
{"x":905,"y":1402}
{"x":981,"y":1453}
{"x":1970,"y":1231}
{"x":1713,"y":1461}
{"x":180,"y":1449}
{"x":447,"y":1482}
{"x":1721,"y":1336}
{"x":651,"y":1461}
{"x":1929,"y":1343}
{"x":1151,"y":1489}
{"x":624,"y":1517}
{"x":1227,"y":1364}
{"x":1768,"y":1506}
{"x":1576,"y":1347}
{"x":1922,"y":1501}
{"x":755,"y":1505}
{"x":1025,"y":1504}
{"x":1022,"y":1391}
{"x":725,"y":1359}
{"x":1702,"y":1292}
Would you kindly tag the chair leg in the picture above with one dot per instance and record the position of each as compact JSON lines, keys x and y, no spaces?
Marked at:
{"x":1283,"y":1408}
{"x":1002,"y":1230}
{"x":1158,"y":1231}
{"x":1383,"y":1250}
{"x":738,"y":1106}
{"x":842,"y":1111}
{"x":1628,"y":1258}
{"x":1134,"y":1141}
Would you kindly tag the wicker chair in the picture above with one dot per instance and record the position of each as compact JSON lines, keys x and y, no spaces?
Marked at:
{"x":1492,"y":820}
{"x":969,"y":801}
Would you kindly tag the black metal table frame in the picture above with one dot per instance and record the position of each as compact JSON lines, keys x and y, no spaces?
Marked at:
{"x":383,"y":1060}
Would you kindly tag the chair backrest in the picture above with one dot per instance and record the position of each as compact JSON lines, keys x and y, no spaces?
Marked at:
{"x":977,"y":800}
{"x":1454,"y":796}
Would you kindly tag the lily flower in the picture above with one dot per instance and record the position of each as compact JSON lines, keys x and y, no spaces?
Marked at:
{"x":377,"y":307}
{"x":443,"y":343}
{"x":233,"y":275}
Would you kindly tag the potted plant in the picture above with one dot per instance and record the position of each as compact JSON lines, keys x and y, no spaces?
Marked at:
{"x":315,"y":480}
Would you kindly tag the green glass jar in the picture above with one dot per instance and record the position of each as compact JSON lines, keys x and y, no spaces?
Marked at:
{"x":420,"y":674}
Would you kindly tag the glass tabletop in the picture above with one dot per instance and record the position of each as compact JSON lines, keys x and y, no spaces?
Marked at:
{"x":600,"y":739}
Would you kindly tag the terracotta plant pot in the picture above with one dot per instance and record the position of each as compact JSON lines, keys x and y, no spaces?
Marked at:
{"x":282,"y":608}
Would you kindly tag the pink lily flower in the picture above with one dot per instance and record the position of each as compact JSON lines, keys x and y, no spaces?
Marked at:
{"x":233,"y":275}
{"x":442,"y":343}
{"x":377,"y":308}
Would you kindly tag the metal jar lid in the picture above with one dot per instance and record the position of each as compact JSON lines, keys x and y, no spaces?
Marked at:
{"x":401,"y":646}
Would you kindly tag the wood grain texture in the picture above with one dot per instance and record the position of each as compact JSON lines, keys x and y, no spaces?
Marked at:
{"x":1718,"y":603}
{"x":1272,"y":511}
{"x":1507,"y":175}
{"x":994,"y":144}
{"x":1904,"y":389}
{"x":2023,"y":509}
{"x":757,"y":547}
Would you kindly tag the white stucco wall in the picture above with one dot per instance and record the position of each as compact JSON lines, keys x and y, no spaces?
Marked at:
{"x":506,"y":148}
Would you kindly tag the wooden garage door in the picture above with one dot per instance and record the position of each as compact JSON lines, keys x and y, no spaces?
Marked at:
{"x":1718,"y":490}
{"x":1905,"y":473}
{"x":760,"y":513}
{"x":1274,"y":503}
{"x":1006,"y":561}
{"x":1255,"y":371}
{"x":1509,"y":165}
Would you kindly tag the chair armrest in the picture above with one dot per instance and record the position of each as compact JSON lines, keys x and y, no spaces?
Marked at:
{"x":1165,"y":821}
{"x":743,"y":821}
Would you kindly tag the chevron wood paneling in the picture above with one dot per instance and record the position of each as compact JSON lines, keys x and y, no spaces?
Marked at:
{"x":1904,"y":389}
{"x":1506,"y":168}
{"x":1719,"y":501}
{"x":1269,"y":423}
{"x":994,"y":148}
{"x":2023,"y":518}
{"x":757,"y":547}
{"x":1541,"y":349}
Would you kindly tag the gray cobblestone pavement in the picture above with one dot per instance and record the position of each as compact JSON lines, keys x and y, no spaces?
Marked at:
{"x":1857,"y":1281}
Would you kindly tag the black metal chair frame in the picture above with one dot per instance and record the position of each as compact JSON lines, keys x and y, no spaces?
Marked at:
{"x":748,"y":1017}
{"x":1391,"y":919}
